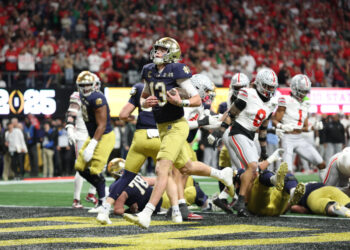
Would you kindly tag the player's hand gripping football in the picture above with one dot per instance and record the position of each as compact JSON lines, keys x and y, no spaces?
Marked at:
{"x":173,"y":97}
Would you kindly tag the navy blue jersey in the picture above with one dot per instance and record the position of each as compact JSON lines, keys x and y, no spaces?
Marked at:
{"x":139,"y":192}
{"x":161,"y":82}
{"x":145,"y":119}
{"x":308,"y":190}
{"x":88,"y":106}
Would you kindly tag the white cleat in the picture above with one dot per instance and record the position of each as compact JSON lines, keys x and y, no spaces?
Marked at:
{"x":139,"y":219}
{"x":341,"y":210}
{"x":96,"y":210}
{"x":103,"y":218}
{"x":281,"y":174}
{"x":227,"y":180}
{"x":177,"y":218}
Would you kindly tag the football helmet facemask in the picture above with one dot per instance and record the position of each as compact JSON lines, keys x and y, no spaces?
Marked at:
{"x":300,"y":86}
{"x":97,"y":81}
{"x":116,"y":167}
{"x":205,"y":87}
{"x":86,"y":83}
{"x":266,"y":82}
{"x":238,"y":81}
{"x":173,"y":53}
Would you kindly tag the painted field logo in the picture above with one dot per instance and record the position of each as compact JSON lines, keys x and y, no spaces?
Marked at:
{"x":122,"y":234}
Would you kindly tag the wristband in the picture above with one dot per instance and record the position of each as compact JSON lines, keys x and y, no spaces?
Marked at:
{"x":224,"y":125}
{"x":185,"y":103}
{"x":279,"y":125}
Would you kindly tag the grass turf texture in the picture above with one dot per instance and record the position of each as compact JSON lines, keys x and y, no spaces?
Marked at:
{"x":60,"y":194}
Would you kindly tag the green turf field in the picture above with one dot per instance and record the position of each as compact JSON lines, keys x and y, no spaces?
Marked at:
{"x":60,"y":194}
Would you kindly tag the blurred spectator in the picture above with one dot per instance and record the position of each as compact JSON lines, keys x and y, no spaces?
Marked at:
{"x":80,"y":62}
{"x":119,"y":129}
{"x":335,"y":136}
{"x":63,"y":150}
{"x":48,"y":150}
{"x":16,"y":144}
{"x":55,"y":74}
{"x":95,"y":61}
{"x":7,"y":172}
{"x":31,"y":140}
{"x":3,"y":148}
{"x":26,"y":65}
{"x":68,"y":68}
{"x":128,"y":134}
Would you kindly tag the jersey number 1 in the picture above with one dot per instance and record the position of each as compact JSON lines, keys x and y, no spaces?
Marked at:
{"x":300,"y":117}
{"x":259,"y":117}
{"x":161,"y":89}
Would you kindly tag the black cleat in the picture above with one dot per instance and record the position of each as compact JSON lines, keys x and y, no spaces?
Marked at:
{"x":223,"y":204}
{"x":184,"y":211}
{"x":243,"y":212}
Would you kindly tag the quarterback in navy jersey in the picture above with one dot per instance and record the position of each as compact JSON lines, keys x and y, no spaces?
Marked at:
{"x":94,"y":154}
{"x":160,"y":78}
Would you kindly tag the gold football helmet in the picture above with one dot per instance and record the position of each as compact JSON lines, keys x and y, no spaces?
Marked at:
{"x":173,"y":51}
{"x":86,"y":83}
{"x":116,"y":167}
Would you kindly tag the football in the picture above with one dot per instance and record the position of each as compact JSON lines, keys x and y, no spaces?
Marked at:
{"x":183,"y":93}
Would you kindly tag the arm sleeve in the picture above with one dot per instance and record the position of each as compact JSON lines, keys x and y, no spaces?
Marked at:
{"x":240,"y":104}
{"x":187,"y":85}
{"x":282,"y":101}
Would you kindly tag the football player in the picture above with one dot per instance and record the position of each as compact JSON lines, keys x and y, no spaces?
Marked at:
{"x":272,"y":193}
{"x":322,"y":200}
{"x":77,"y":134}
{"x":251,"y":111}
{"x":337,"y":172}
{"x":138,"y":192}
{"x":164,"y":74}
{"x":94,"y":153}
{"x":291,"y":116}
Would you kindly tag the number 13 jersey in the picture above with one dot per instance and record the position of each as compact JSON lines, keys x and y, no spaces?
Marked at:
{"x":295,"y":113}
{"x":254,"y":113}
{"x":161,"y":82}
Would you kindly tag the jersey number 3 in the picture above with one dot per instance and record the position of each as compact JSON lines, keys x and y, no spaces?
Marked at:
{"x":259,"y":117}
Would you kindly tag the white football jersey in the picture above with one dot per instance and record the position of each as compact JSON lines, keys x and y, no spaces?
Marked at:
{"x":80,"y":128}
{"x":295,"y":113}
{"x":255,"y":112}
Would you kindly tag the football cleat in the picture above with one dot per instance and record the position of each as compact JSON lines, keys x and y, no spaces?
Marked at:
{"x":226,"y":179}
{"x":192,"y":216}
{"x":140,"y":219}
{"x":341,"y":210}
{"x":281,"y":174}
{"x":208,"y":208}
{"x":76,"y":204}
{"x":243,"y":212}
{"x":184,"y":211}
{"x":91,"y":198}
{"x":103,"y":217}
{"x":95,"y":210}
{"x":177,"y":218}
{"x":223,"y":204}
{"x":298,"y":194}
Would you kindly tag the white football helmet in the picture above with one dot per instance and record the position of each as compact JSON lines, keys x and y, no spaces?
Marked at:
{"x":266,"y":82}
{"x":116,"y":167}
{"x":300,"y":86}
{"x":86,"y":83}
{"x":238,"y":81}
{"x":343,"y":162}
{"x":173,"y":51}
{"x":205,"y":87}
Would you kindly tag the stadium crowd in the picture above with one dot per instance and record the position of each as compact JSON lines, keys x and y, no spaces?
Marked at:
{"x":43,"y":43}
